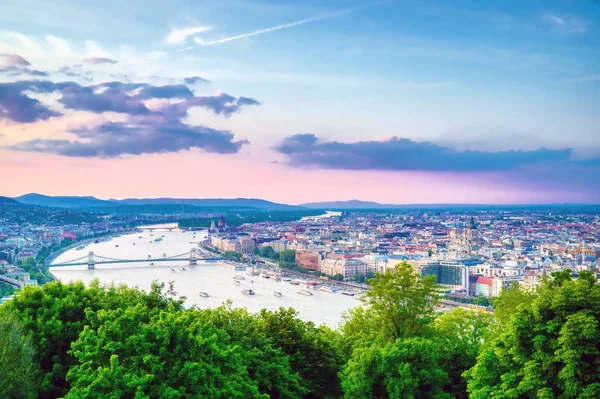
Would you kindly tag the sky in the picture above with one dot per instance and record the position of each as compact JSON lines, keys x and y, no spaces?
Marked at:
{"x":295,"y":101}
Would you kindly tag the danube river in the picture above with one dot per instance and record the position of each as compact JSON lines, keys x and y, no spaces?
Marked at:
{"x":217,"y":281}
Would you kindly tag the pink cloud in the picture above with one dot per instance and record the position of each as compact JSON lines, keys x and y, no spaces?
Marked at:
{"x":13,"y":60}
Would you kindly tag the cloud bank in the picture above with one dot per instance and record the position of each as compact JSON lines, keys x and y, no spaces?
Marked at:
{"x":157,"y":130}
{"x":408,"y":155}
{"x":99,"y":60}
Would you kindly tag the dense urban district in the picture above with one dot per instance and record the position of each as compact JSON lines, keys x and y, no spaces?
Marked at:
{"x":527,"y":276}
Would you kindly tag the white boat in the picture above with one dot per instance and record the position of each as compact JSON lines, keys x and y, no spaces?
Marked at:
{"x":348,"y":293}
{"x":277,"y":293}
{"x":327,"y":289}
{"x":173,"y":270}
{"x":182,"y":269}
{"x":238,"y":277}
{"x":235,"y":282}
{"x":203,"y":294}
{"x":287,"y":279}
{"x":247,"y":291}
{"x":304,"y":292}
{"x":265,"y":275}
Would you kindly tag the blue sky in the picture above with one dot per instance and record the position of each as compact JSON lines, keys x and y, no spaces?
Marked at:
{"x":464,"y":75}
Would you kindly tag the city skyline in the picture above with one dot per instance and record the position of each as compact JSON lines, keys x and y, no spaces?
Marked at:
{"x":390,"y":101}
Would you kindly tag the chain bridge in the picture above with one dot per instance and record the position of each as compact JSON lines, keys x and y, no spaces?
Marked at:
{"x":91,"y":259}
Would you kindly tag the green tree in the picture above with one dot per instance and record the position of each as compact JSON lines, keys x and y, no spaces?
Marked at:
{"x":233,"y":254}
{"x":549,"y":348}
{"x":287,"y":258}
{"x":402,"y":303}
{"x":509,"y":301}
{"x":131,"y":353}
{"x":459,"y":335}
{"x":54,"y":315}
{"x":268,"y":252}
{"x":18,"y":368}
{"x":404,"y":368}
{"x":267,"y":363}
{"x":314,"y":351}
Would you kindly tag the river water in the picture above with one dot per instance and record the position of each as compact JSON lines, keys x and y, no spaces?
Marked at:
{"x":217,"y":281}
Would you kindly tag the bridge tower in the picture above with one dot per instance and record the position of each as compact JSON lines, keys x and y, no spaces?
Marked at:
{"x":91,"y":262}
{"x":193,"y":257}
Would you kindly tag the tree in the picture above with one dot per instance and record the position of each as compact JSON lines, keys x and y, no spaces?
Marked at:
{"x":509,"y":301}
{"x":130,"y":353}
{"x":233,"y":254}
{"x":314,"y":352}
{"x":459,"y":335}
{"x":18,"y":369}
{"x":54,"y":315}
{"x":287,"y":258}
{"x":548,"y":348}
{"x":268,"y":252}
{"x":402,"y":303}
{"x":404,"y":368}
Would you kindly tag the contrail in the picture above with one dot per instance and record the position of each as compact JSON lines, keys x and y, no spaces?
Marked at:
{"x":202,"y":43}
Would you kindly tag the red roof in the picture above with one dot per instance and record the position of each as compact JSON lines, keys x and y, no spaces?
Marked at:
{"x":484,"y":280}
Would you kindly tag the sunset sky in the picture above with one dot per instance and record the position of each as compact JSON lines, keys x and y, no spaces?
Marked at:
{"x":297,"y":101}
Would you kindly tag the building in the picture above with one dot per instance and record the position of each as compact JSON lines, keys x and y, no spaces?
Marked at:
{"x":345,"y":266}
{"x":483,"y":287}
{"x":500,"y":283}
{"x":308,"y":260}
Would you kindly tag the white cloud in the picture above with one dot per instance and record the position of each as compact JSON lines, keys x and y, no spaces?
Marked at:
{"x":178,"y":36}
{"x":565,"y":24}
{"x":60,"y":46}
{"x":94,"y":49}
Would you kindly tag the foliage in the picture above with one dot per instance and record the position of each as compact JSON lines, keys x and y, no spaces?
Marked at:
{"x":232,"y":254}
{"x":401,"y":302}
{"x":509,"y":301}
{"x":18,"y":371}
{"x":404,"y":368}
{"x":7,"y":289}
{"x":287,"y":258}
{"x":549,"y":347}
{"x":314,"y":352}
{"x":131,"y":353}
{"x":54,"y":315}
{"x":459,"y":335}
{"x":268,"y":252}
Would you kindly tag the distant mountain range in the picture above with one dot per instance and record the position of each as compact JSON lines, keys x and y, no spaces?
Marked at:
{"x":6,"y":200}
{"x":150,"y":205}
{"x":357,"y":204}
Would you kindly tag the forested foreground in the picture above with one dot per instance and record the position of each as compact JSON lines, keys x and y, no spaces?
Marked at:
{"x":68,"y":340}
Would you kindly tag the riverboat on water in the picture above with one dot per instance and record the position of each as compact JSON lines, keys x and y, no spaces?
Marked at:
{"x":327,"y":289}
{"x":238,"y":277}
{"x":247,"y":291}
{"x":277,"y":293}
{"x":203,"y":294}
{"x":304,"y":292}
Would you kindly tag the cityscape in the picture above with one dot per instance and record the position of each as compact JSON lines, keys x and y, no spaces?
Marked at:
{"x":302,"y":199}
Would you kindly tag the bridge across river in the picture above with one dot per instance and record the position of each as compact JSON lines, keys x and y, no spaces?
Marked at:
{"x":91,"y":259}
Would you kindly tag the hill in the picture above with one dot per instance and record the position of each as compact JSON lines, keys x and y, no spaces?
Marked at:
{"x":210,"y":202}
{"x":61,"y":201}
{"x":152,"y":205}
{"x":6,"y":200}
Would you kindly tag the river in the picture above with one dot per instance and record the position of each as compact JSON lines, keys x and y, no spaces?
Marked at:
{"x":217,"y":281}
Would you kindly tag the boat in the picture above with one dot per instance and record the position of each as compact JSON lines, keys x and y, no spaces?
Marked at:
{"x":140,"y":237}
{"x":287,"y":279}
{"x":134,"y":243}
{"x":182,"y":269}
{"x":247,"y":291}
{"x":158,"y":239}
{"x":238,"y":277}
{"x":348,"y":293}
{"x":151,"y":234}
{"x":173,"y":270}
{"x":164,"y":254}
{"x":203,"y":294}
{"x":151,"y":263}
{"x":265,"y":275}
{"x":304,"y":292}
{"x":327,"y":289}
{"x":277,"y":293}
{"x":163,"y":235}
{"x":294,"y":282}
{"x":311,"y":284}
{"x":117,"y":246}
{"x":96,"y":241}
{"x":80,"y":248}
{"x":235,"y":282}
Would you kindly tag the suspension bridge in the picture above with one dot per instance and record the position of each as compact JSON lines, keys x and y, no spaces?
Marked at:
{"x":91,"y":259}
